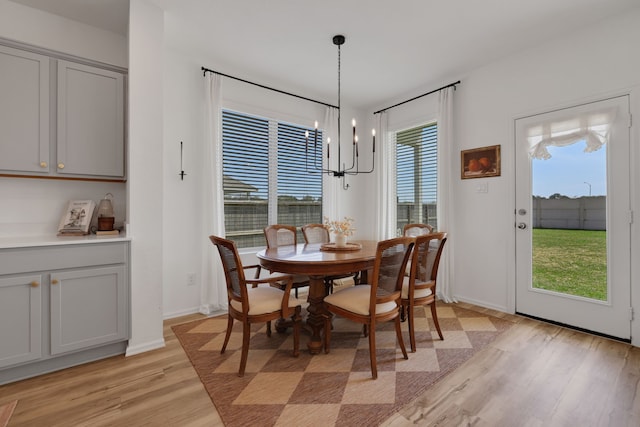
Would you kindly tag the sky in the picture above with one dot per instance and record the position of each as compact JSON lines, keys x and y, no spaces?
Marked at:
{"x":569,"y":170}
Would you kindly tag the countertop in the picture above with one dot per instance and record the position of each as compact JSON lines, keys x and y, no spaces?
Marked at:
{"x":53,"y":240}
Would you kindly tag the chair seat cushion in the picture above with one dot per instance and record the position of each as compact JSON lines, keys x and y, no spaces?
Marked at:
{"x":417,"y":293}
{"x":265,"y":299}
{"x":356,"y":300}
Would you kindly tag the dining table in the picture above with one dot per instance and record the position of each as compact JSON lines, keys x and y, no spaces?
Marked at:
{"x":317,"y":261}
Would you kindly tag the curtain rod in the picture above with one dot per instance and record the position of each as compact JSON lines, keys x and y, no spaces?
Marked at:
{"x":419,"y":96}
{"x":205,"y":70}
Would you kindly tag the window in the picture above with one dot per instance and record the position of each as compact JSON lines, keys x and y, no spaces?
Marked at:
{"x":264,"y":177}
{"x":416,"y":175}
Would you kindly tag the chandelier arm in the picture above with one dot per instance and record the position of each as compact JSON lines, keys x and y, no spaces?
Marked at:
{"x":373,"y":165}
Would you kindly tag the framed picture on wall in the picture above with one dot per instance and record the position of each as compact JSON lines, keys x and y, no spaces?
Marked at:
{"x":480,"y":162}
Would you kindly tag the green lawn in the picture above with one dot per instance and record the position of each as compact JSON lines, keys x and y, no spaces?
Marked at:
{"x":571,"y":261}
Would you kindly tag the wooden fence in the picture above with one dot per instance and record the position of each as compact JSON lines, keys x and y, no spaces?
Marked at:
{"x":582,"y":213}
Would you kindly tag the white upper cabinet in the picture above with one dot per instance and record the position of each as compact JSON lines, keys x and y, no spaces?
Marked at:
{"x":24,"y":111}
{"x":90,"y":121}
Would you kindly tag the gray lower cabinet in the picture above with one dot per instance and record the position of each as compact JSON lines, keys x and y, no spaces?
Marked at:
{"x":20,"y":319}
{"x":61,"y":306}
{"x":87,"y":308}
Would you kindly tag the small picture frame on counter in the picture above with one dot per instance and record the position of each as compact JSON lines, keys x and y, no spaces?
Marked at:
{"x":76,"y":218}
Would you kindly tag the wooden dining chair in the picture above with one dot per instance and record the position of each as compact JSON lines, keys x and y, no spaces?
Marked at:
{"x":255,"y":304}
{"x":419,"y":289}
{"x":318,"y":233}
{"x":278,"y":235}
{"x":376,"y":302}
{"x":413,"y":230}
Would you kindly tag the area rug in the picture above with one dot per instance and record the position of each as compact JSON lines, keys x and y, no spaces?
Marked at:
{"x":6,"y":411}
{"x":335,"y":388}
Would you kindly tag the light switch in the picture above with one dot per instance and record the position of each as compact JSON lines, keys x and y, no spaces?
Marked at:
{"x":482,"y":187}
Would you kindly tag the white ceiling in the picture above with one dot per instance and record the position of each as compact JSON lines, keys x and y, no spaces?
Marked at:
{"x":110,"y":15}
{"x":394,"y":49}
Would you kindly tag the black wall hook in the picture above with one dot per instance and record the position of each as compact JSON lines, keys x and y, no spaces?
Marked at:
{"x":182,"y":172}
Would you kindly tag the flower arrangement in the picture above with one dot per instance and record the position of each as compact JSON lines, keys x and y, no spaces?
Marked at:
{"x":340,"y":227}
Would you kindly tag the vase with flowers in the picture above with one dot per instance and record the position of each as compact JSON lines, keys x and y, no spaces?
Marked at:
{"x":341,"y":228}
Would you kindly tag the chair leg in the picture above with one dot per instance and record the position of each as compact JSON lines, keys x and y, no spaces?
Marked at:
{"x":434,"y":314}
{"x":226,"y":337}
{"x":372,"y":351}
{"x":328,"y":287}
{"x":297,"y":319}
{"x":246,"y":333}
{"x":400,"y":339}
{"x":327,"y":333}
{"x":269,"y":328}
{"x":411,"y":324}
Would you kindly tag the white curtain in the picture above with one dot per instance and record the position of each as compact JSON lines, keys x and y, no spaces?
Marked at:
{"x":592,"y":127}
{"x":213,"y":296}
{"x":385,"y":194}
{"x":330,"y":184}
{"x":446,"y":164}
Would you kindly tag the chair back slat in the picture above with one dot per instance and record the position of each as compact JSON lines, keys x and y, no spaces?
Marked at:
{"x":415,"y":230}
{"x":280,"y":235}
{"x":315,"y":233}
{"x":232,"y":267}
{"x":427,"y":253}
{"x":391,"y":261}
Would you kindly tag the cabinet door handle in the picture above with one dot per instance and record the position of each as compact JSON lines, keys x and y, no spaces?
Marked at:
{"x":35,"y":284}
{"x":43,"y":164}
{"x":54,"y":281}
{"x":60,"y":165}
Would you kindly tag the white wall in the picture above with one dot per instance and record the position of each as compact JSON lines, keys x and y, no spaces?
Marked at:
{"x":145,"y":182}
{"x":183,"y":108}
{"x":33,"y":207}
{"x":587,"y":65}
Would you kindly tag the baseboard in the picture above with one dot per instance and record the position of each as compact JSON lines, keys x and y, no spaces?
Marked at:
{"x":52,"y":364}
{"x":209,"y":310}
{"x":142,"y":348}
{"x":180,"y":313}
{"x":483,"y":304}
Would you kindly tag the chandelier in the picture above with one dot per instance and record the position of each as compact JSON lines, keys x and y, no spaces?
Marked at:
{"x":342,"y":170}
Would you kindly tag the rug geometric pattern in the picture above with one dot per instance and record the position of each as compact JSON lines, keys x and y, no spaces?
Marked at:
{"x":6,"y":410}
{"x":336,"y":388}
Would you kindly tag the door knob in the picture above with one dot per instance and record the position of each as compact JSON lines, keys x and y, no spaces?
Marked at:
{"x":522,"y":226}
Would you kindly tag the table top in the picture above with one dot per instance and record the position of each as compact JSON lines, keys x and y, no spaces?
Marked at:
{"x":309,"y":259}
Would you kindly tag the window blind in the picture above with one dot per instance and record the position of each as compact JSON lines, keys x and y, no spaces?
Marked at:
{"x":265,"y":181}
{"x":416,"y":175}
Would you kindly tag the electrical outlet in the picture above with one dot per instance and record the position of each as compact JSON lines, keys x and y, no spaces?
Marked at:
{"x":191,"y":279}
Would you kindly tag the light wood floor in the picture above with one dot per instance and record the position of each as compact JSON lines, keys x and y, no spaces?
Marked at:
{"x":535,"y":374}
